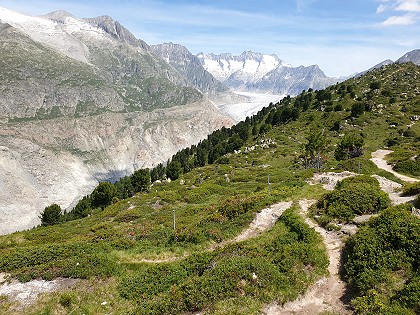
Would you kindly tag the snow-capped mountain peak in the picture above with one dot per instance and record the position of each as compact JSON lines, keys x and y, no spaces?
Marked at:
{"x":249,"y":65}
{"x":256,"y":72}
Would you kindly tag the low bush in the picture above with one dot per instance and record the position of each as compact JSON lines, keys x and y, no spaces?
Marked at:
{"x":355,"y":180}
{"x":77,"y":260}
{"x":409,"y":167}
{"x":239,"y":204}
{"x":353,"y":196}
{"x":279,"y":266}
{"x":128,"y":215}
{"x":411,"y":189}
{"x":381,"y":263}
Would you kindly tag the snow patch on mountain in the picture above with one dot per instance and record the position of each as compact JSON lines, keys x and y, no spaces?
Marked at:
{"x":59,"y":34}
{"x":249,"y":66}
{"x":261,"y":73}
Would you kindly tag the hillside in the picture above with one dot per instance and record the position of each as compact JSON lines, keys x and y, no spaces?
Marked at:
{"x":219,"y":257}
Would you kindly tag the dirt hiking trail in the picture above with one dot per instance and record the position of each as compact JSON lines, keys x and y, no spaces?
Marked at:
{"x":325,"y":295}
{"x":378,"y":157}
{"x":263,"y":221}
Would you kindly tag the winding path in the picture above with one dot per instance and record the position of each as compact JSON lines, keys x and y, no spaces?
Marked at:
{"x":378,"y":157}
{"x":263,"y":221}
{"x":326,"y":294}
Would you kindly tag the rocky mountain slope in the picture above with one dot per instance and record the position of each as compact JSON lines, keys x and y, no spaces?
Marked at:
{"x":412,"y":56}
{"x":190,"y":66}
{"x":84,"y":63}
{"x":377,"y":66}
{"x":59,"y":160}
{"x":256,"y":72}
{"x":79,"y":103}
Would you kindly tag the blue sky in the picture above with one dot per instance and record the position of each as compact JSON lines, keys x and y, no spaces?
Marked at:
{"x":342,"y":37}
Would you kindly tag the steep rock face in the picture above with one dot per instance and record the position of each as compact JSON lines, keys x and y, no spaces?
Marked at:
{"x":412,"y":56}
{"x":116,"y":30}
{"x":60,"y":160}
{"x":190,"y":66}
{"x":255,"y":72}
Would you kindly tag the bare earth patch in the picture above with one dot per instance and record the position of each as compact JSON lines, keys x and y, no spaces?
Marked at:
{"x":378,"y":157}
{"x":393,"y":189}
{"x":263,"y":221}
{"x":27,"y":293}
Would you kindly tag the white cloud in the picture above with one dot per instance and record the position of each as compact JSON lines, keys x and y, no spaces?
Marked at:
{"x":398,"y":5}
{"x":382,"y":8}
{"x":411,"y":7}
{"x":304,"y":4}
{"x":408,"y":6}
{"x":408,"y":19}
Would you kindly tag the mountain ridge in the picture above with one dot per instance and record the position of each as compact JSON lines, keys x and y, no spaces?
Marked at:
{"x":189,"y":65}
{"x":256,"y":72}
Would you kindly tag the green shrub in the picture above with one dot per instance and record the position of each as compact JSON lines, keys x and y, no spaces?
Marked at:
{"x":128,"y":215}
{"x":353,"y":196}
{"x":355,"y":180}
{"x":77,"y":260}
{"x":238,"y":205}
{"x":278,"y":267}
{"x":409,"y":167}
{"x":381,"y":263}
{"x":152,"y":280}
{"x":411,"y":189}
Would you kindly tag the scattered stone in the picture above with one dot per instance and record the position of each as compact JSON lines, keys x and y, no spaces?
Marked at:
{"x":27,"y":293}
{"x":329,"y":179}
{"x":363,"y":218}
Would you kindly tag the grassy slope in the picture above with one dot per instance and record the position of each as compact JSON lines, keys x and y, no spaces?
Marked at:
{"x":110,"y":245}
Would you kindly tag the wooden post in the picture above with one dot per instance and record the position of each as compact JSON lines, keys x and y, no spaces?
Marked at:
{"x":174,"y":219}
